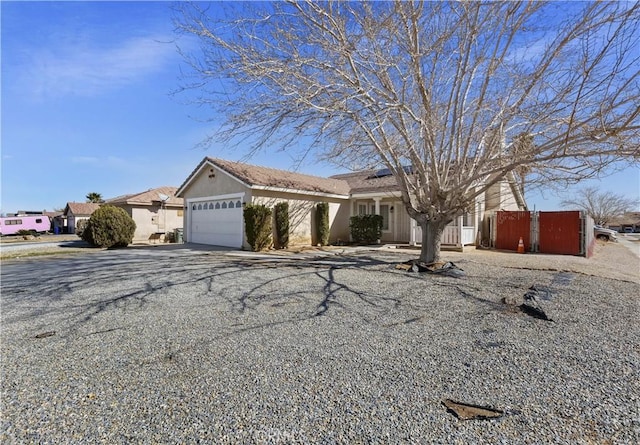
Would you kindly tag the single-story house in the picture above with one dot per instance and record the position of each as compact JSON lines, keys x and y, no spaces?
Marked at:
{"x":78,"y":211}
{"x":156,"y":212}
{"x":217,"y":190}
{"x":629,"y":222}
{"x":58,"y":221}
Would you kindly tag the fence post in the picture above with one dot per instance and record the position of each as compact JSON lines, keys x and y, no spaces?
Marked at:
{"x":412,"y":232}
{"x":535,"y":232}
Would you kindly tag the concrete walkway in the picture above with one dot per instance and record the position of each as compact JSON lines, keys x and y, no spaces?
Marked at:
{"x":631,"y":242}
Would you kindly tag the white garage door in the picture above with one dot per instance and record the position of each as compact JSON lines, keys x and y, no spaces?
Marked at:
{"x":217,"y":222}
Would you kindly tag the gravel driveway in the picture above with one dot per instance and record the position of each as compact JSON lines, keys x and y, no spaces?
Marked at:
{"x":154,"y":345}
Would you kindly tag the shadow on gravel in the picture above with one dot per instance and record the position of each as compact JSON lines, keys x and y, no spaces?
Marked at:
{"x":77,"y":245}
{"x":76,"y":291}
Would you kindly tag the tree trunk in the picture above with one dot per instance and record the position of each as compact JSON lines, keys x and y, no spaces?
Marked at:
{"x":431,"y":238}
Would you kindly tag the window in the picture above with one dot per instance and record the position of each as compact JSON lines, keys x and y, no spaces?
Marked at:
{"x":194,"y":207}
{"x":362,"y":209}
{"x":384,"y":212}
{"x":210,"y":206}
{"x":38,"y":220}
{"x":13,"y":222}
{"x":238,"y":204}
{"x":224,"y":205}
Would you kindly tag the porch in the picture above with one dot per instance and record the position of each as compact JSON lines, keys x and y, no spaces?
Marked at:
{"x":455,"y":234}
{"x":399,"y":227}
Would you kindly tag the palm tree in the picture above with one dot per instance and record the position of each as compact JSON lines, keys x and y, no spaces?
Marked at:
{"x":94,"y":197}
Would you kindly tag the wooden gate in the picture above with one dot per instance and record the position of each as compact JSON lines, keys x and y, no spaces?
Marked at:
{"x":510,"y":227}
{"x":560,"y":232}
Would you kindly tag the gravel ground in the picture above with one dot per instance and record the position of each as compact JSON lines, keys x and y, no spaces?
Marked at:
{"x":174,"y":346}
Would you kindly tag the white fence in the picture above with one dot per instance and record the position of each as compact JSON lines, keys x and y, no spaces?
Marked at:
{"x":452,"y":235}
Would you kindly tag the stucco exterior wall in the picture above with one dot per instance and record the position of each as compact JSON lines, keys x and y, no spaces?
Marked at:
{"x":508,"y":199}
{"x":212,"y":181}
{"x":72,"y":222}
{"x":339,"y":215}
{"x":403,"y":223}
{"x":500,"y":197}
{"x":302,"y":226}
{"x":152,"y":222}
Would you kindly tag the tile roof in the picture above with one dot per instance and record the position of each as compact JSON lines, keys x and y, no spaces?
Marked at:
{"x":53,"y":214}
{"x":253,"y":175}
{"x":369,"y":181}
{"x":81,"y":208}
{"x":629,"y":218}
{"x":366,"y":181}
{"x":149,"y":197}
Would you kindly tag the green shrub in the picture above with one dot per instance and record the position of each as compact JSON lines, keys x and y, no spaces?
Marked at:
{"x":322,"y":223}
{"x":81,"y":227}
{"x":109,"y":226}
{"x":257,"y":224}
{"x":366,"y":229}
{"x":25,"y":232}
{"x":282,"y":225}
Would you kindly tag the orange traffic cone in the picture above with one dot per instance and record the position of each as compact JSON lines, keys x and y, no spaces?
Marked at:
{"x":520,"y":246}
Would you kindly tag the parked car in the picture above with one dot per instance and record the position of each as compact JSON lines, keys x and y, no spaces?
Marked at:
{"x":605,"y":234}
{"x":628,"y":230}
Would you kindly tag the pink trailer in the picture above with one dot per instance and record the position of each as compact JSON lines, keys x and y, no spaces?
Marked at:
{"x":34,"y":223}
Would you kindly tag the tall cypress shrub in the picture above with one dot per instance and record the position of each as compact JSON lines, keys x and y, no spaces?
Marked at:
{"x":282,"y":225}
{"x":257,"y":224}
{"x":322,"y":223}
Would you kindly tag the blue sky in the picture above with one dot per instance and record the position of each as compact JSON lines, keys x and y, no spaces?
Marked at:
{"x":86,"y":107}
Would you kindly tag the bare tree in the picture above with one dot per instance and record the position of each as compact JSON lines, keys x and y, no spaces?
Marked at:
{"x":452,"y":97}
{"x":602,"y":206}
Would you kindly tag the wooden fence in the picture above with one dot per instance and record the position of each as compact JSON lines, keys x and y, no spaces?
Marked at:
{"x":563,"y":233}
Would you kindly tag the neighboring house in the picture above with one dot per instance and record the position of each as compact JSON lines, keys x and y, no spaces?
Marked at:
{"x":77,"y":211}
{"x":629,"y":222}
{"x":217,"y":190}
{"x":156,"y":212}
{"x":57,"y":221}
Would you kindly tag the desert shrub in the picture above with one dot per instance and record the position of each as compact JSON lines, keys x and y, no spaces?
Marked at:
{"x":25,"y":232}
{"x":81,"y":227}
{"x":282,"y":225}
{"x":109,"y":226}
{"x":366,"y":229}
{"x":257,"y":225}
{"x":322,"y":223}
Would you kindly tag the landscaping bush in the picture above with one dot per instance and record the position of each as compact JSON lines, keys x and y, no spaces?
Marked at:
{"x":109,"y":226}
{"x":366,"y":229}
{"x":282,"y":225}
{"x":81,"y":227}
{"x":322,"y":223}
{"x":257,"y":225}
